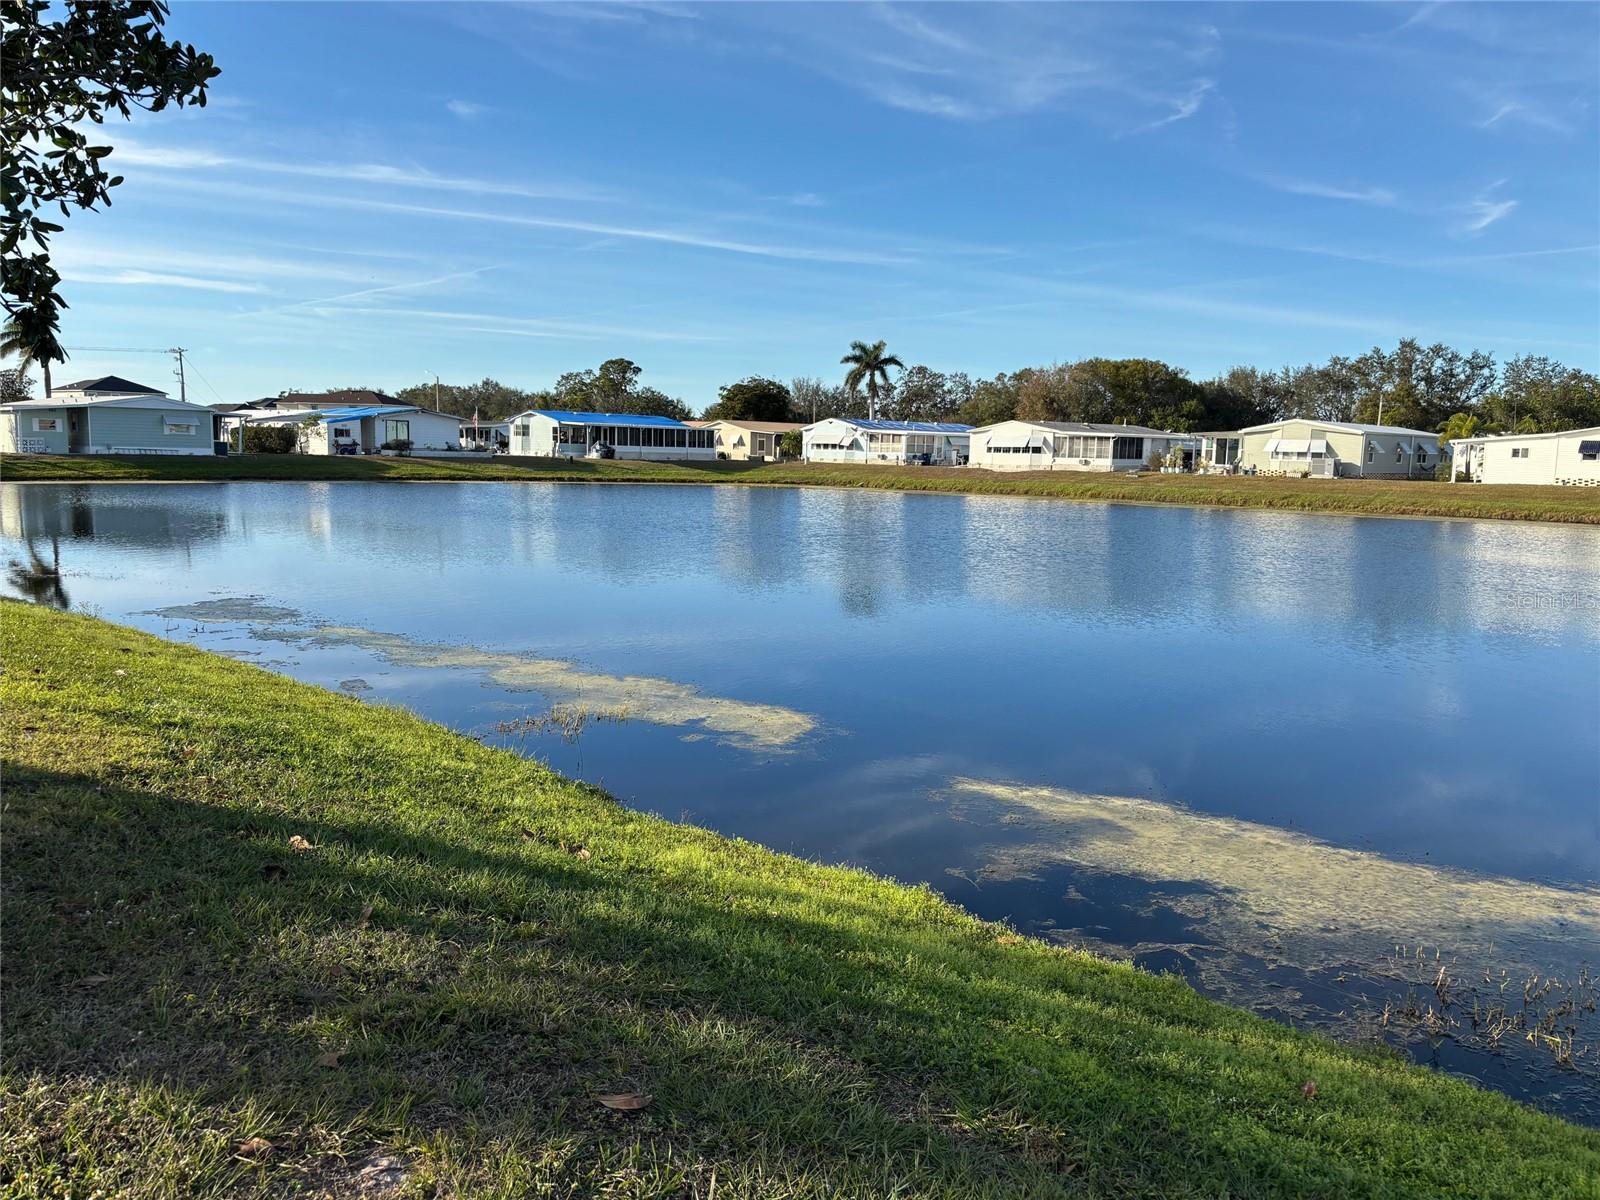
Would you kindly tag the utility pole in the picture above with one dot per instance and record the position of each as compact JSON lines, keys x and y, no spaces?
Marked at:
{"x":183,"y":387}
{"x":436,"y":392}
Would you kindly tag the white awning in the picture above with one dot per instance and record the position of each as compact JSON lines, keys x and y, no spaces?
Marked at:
{"x":1037,"y":442}
{"x":1297,"y":446}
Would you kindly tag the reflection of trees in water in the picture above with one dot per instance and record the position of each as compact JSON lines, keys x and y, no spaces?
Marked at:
{"x":37,"y":580}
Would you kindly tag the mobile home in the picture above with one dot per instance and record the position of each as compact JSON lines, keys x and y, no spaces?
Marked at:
{"x":365,"y":430}
{"x":553,"y":433}
{"x":1069,"y":446}
{"x":109,"y":415}
{"x":853,"y":440}
{"x":1334,"y":449}
{"x":740,"y":441}
{"x":1571,"y":457}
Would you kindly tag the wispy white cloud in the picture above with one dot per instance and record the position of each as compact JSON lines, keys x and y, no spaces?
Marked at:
{"x":165,"y":279}
{"x":465,"y":109}
{"x":638,"y":232}
{"x":515,"y":326}
{"x":1483,"y":210}
{"x":1183,"y":107}
{"x":1381,"y":197}
{"x":807,"y":200}
{"x":85,"y":253}
{"x":412,"y":285}
{"x":176,"y":158}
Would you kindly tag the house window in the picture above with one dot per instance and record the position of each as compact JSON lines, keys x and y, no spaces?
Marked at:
{"x":174,"y":428}
{"x":1127,"y":447}
{"x":1422,"y":455}
{"x":520,"y":430}
{"x":1372,"y":452}
{"x":1516,"y":452}
{"x":396,"y":431}
{"x":47,"y":424}
{"x":1399,"y":454}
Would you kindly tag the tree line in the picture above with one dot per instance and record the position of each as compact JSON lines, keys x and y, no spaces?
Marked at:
{"x":1436,"y":388}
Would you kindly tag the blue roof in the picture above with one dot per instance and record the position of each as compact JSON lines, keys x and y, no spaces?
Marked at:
{"x":908,"y":426}
{"x":355,"y":414}
{"x":594,"y":418}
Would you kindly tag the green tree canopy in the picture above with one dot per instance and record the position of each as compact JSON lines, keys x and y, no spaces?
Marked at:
{"x":752,"y":399}
{"x":613,"y":387}
{"x":869,"y":371}
{"x":66,"y":69}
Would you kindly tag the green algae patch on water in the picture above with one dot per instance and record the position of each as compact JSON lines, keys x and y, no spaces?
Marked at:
{"x":745,"y":724}
{"x":1287,"y":898}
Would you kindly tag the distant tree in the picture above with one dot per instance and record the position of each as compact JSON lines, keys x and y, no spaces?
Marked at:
{"x":752,"y":399}
{"x":1460,"y":425}
{"x":1554,"y":396}
{"x":814,"y":400}
{"x":13,"y":344}
{"x":614,"y":387}
{"x":67,"y":68}
{"x":15,"y":385}
{"x":923,"y":394}
{"x":491,"y":399}
{"x":992,"y":400}
{"x":869,"y":371}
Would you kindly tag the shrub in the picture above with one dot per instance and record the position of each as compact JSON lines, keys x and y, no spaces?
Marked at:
{"x":269,"y":439}
{"x":791,"y":444}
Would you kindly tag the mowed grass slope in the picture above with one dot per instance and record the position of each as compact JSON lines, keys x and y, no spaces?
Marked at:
{"x":466,"y":950}
{"x":1419,"y":498}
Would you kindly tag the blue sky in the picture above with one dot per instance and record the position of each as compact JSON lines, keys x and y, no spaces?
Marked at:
{"x":378,"y":193}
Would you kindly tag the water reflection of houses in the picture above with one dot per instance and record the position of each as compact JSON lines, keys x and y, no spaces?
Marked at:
{"x":135,"y":519}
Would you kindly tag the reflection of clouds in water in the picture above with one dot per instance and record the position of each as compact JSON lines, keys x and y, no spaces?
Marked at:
{"x":1284,"y":897}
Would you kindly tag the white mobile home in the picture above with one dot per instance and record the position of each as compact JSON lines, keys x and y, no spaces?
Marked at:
{"x":1335,"y":449}
{"x":1571,"y":457}
{"x":109,"y":415}
{"x":1069,"y":446}
{"x":366,"y":430}
{"x":853,"y":440}
{"x":551,"y":433}
{"x":741,"y":441}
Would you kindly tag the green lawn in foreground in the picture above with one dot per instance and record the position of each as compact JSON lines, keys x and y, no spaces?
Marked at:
{"x":181,"y":979}
{"x":1400,"y":498}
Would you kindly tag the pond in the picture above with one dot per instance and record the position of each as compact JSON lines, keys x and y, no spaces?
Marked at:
{"x":1341,"y":771}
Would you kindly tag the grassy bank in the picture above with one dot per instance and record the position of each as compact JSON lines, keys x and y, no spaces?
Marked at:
{"x":1400,"y":498}
{"x":260,"y":936}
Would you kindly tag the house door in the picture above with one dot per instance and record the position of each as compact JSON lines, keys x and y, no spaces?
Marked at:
{"x":78,"y":431}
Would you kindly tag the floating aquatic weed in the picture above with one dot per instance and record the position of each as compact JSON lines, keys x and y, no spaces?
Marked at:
{"x":229,"y":609}
{"x":745,"y":724}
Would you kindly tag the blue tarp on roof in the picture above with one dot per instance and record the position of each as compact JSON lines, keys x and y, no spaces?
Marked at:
{"x":908,"y":426}
{"x":593,"y":418}
{"x":355,"y":414}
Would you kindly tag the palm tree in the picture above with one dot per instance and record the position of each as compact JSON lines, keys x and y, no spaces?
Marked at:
{"x":869,"y":365}
{"x":13,"y":344}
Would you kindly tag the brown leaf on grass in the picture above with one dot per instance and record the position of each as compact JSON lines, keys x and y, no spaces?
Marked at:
{"x":256,"y":1147}
{"x":577,"y":850}
{"x":624,"y":1101}
{"x":330,"y":1059}
{"x":272,"y":872}
{"x":299,"y":843}
{"x":1009,"y":939}
{"x":1309,"y":1089}
{"x":529,"y":835}
{"x":366,"y":916}
{"x":93,"y":980}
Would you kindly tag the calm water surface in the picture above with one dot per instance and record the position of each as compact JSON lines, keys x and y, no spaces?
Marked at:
{"x":1261,"y":749}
